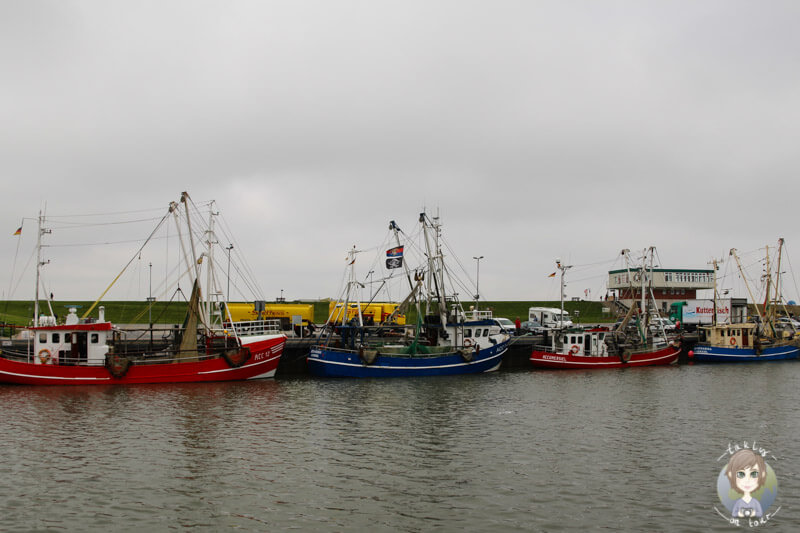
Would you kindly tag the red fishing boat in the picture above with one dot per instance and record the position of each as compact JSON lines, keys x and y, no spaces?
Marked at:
{"x":92,"y":351}
{"x":589,"y":348}
{"x":638,"y":340}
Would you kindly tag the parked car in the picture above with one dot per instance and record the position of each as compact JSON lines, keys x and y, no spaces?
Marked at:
{"x":532,"y":327}
{"x":789,"y":323}
{"x":506,"y":325}
{"x":657,"y":323}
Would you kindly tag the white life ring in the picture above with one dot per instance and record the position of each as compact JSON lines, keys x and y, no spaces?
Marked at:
{"x":44,"y":356}
{"x":575,"y":349}
{"x":467,"y":343}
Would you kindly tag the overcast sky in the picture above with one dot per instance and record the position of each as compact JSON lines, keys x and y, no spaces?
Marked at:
{"x":537,"y":129}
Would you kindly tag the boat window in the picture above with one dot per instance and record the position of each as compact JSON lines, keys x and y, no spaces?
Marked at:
{"x":56,"y":337}
{"x":94,"y":338}
{"x":566,"y":339}
{"x":601,"y":336}
{"x":486,"y":332}
{"x":42,"y":337}
{"x":468,"y":332}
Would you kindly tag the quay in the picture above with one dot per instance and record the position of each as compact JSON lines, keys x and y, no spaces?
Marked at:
{"x":293,"y":360}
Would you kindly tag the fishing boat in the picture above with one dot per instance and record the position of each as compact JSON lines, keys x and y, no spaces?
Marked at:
{"x":638,"y":340}
{"x":761,"y":339}
{"x":90,"y":350}
{"x":443,"y":340}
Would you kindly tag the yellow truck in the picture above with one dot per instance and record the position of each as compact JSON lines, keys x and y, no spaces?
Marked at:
{"x":244,"y":312}
{"x":374,"y":313}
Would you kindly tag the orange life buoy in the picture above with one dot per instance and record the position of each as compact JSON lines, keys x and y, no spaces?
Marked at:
{"x":733,"y":341}
{"x":467,"y":343}
{"x":44,"y":356}
{"x":575,"y":349}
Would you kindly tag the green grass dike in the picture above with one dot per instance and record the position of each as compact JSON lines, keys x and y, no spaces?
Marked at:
{"x":20,"y":312}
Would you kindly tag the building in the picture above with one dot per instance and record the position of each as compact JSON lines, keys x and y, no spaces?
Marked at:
{"x":668,"y":285}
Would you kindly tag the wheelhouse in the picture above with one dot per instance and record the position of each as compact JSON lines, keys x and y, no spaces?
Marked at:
{"x":582,"y":342}
{"x":730,"y":335}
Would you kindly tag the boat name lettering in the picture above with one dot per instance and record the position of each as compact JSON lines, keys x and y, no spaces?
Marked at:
{"x":553,"y":358}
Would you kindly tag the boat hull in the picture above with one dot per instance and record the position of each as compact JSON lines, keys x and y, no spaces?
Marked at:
{"x":545,"y":359}
{"x":705,"y":353}
{"x":265,"y":353}
{"x":335,"y":362}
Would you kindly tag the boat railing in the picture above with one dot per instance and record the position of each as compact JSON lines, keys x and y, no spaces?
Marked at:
{"x":137,"y":357}
{"x":475,"y":314}
{"x":252,"y":327}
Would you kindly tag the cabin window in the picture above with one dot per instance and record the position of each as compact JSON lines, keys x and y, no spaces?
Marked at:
{"x":566,"y":339}
{"x":468,"y":332}
{"x":43,"y":337}
{"x":486,"y":332}
{"x":601,"y":336}
{"x":56,"y":338}
{"x":94,"y":338}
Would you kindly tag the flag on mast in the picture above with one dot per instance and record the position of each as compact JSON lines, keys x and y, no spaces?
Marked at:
{"x":19,"y":231}
{"x":394,"y":257}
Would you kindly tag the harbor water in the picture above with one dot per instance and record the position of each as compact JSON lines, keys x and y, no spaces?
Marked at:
{"x":525,"y":450}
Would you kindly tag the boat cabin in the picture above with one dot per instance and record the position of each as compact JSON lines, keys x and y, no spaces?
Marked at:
{"x":76,"y":342}
{"x":729,"y":335}
{"x":582,"y":342}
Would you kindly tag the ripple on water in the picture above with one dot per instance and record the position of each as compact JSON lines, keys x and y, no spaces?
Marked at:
{"x":541,"y":451}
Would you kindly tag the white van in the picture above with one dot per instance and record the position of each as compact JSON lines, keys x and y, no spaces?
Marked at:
{"x":549,"y":317}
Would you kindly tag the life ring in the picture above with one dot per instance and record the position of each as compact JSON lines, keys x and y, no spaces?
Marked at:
{"x":44,"y":356}
{"x":236,"y":358}
{"x":575,"y":349}
{"x":733,"y":341}
{"x":467,"y":343}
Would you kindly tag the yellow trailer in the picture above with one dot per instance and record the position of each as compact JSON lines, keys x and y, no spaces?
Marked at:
{"x":375,"y":313}
{"x":243,"y":312}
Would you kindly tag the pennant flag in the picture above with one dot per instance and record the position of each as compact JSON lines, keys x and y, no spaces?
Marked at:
{"x":395,"y":252}
{"x":19,"y":231}
{"x":394,"y":262}
{"x":552,"y":275}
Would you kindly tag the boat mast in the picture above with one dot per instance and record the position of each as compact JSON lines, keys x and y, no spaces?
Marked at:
{"x":563,"y":269}
{"x":396,"y":230}
{"x":435,"y":266}
{"x":747,"y":285}
{"x":714,"y":266}
{"x":39,"y":265}
{"x":211,"y":280}
{"x":643,"y":280}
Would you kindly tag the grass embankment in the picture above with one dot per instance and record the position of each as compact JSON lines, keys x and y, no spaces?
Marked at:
{"x":129,"y":312}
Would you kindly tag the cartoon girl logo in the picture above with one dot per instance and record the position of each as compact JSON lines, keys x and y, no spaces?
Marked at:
{"x":747,"y":485}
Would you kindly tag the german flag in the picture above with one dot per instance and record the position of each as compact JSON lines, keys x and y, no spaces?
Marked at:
{"x":19,"y":231}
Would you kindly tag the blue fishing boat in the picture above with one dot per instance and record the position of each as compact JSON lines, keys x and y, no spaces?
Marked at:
{"x":761,"y":339}
{"x":444,"y":340}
